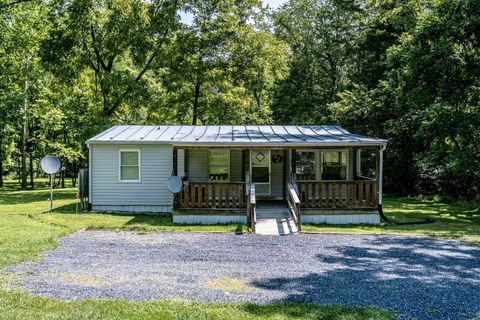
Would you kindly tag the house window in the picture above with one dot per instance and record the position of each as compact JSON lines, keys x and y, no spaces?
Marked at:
{"x":305,"y":165}
{"x":219,"y":165}
{"x":260,"y":162}
{"x":334,"y":165}
{"x":129,"y":165}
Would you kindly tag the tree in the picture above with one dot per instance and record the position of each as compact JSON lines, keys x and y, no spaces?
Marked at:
{"x":437,"y":71}
{"x":22,"y":29}
{"x":321,"y":35}
{"x":211,"y":59}
{"x":368,"y":104}
{"x":119,"y":42}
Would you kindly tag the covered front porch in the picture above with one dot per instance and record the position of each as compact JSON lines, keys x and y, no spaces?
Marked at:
{"x":318,"y":184}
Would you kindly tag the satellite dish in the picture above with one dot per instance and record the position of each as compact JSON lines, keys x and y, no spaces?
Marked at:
{"x":174,"y":184}
{"x":50,"y":164}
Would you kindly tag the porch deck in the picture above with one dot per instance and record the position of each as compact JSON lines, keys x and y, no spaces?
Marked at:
{"x":316,"y":195}
{"x":282,"y":217}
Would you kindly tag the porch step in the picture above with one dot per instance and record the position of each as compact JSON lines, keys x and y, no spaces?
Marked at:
{"x":275,"y":221}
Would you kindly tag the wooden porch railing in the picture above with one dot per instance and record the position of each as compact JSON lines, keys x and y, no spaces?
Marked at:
{"x":350,"y":194}
{"x":294,"y":204}
{"x":211,"y":194}
{"x":252,"y":207}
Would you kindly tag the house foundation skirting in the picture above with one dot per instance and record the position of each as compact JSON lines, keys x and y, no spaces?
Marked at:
{"x":367,"y":218}
{"x":161,"y":209}
{"x":209,"y":219}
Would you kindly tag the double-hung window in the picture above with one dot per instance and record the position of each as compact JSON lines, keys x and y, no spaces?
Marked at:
{"x":305,"y":166}
{"x":129,"y":163}
{"x":334,"y":165}
{"x":219,"y":165}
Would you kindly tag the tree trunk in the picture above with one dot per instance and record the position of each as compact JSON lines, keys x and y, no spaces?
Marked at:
{"x":63,"y":179}
{"x":1,"y":171}
{"x":32,"y":185}
{"x":74,"y":174}
{"x":195,"y":104}
{"x":23,"y":146}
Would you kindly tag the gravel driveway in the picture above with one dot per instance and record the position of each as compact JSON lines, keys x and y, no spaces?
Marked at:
{"x":413,"y":276}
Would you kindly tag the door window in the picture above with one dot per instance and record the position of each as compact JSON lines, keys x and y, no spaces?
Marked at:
{"x":260,"y":170}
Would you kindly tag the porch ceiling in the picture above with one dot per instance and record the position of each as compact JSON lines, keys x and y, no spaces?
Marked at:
{"x":277,"y":135}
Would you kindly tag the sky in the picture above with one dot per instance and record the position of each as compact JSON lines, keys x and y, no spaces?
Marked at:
{"x":273,"y":4}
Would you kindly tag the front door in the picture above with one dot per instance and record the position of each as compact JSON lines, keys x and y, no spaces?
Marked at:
{"x":260,"y":169}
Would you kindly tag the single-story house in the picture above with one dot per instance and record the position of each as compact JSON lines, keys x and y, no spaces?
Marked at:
{"x":228,"y":172}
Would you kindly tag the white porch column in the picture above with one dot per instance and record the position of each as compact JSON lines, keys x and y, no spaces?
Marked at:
{"x":380,"y":175}
{"x":358,"y":162}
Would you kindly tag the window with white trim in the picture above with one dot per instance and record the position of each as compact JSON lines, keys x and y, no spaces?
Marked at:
{"x":334,"y":165}
{"x":306,"y":165}
{"x":219,"y":165}
{"x":129,"y":161}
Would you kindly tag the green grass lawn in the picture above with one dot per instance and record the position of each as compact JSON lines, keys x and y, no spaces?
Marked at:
{"x":26,"y":231}
{"x":451,"y":220}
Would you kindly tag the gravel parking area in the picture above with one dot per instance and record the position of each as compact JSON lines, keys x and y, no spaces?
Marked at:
{"x":414,"y":276}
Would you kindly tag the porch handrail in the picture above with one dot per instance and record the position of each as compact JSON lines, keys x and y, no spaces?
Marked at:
{"x":359,"y":177}
{"x":252,"y":203}
{"x":294,"y":204}
{"x":211,"y":195}
{"x":338,"y":194}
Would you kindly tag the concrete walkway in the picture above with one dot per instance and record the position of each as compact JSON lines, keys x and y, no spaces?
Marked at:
{"x":275,"y":221}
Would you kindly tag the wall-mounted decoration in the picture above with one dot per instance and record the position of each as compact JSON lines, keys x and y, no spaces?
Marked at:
{"x":277,"y":158}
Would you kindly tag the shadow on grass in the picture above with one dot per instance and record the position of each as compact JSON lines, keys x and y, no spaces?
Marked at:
{"x":315,"y":311}
{"x":40,"y":195}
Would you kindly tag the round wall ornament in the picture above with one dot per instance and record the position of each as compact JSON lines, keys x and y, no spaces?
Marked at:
{"x":277,"y":158}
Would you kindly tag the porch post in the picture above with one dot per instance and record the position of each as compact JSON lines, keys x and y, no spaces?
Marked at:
{"x":246,"y":166}
{"x":358,"y":160}
{"x":246,"y":179}
{"x":380,"y":176}
{"x":175,"y":161}
{"x":285,"y":175}
{"x":293,"y":165}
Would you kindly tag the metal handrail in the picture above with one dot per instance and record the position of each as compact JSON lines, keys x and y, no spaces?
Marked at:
{"x":252,"y":203}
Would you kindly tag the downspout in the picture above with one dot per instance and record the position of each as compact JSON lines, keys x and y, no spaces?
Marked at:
{"x":380,"y":177}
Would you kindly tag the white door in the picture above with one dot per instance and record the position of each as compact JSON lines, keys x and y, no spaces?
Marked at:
{"x":260,"y":168}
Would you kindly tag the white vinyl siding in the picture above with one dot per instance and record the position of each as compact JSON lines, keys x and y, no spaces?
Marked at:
{"x":197,"y":165}
{"x":236,"y":166}
{"x":156,"y":162}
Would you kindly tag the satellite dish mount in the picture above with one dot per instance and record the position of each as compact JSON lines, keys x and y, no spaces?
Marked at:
{"x":174,"y":183}
{"x":51,"y":165}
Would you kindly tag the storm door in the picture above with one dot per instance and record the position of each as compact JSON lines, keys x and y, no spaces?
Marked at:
{"x":260,"y":168}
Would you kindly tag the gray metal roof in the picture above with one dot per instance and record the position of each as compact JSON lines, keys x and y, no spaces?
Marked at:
{"x":275,"y":135}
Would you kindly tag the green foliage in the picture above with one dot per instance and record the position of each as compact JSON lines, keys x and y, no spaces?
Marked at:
{"x":452,"y":219}
{"x":321,"y":35}
{"x":221,"y":68}
{"x":404,"y":70}
{"x":417,"y":85}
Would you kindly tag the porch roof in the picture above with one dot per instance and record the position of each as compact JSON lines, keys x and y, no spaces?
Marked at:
{"x":244,"y":136}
